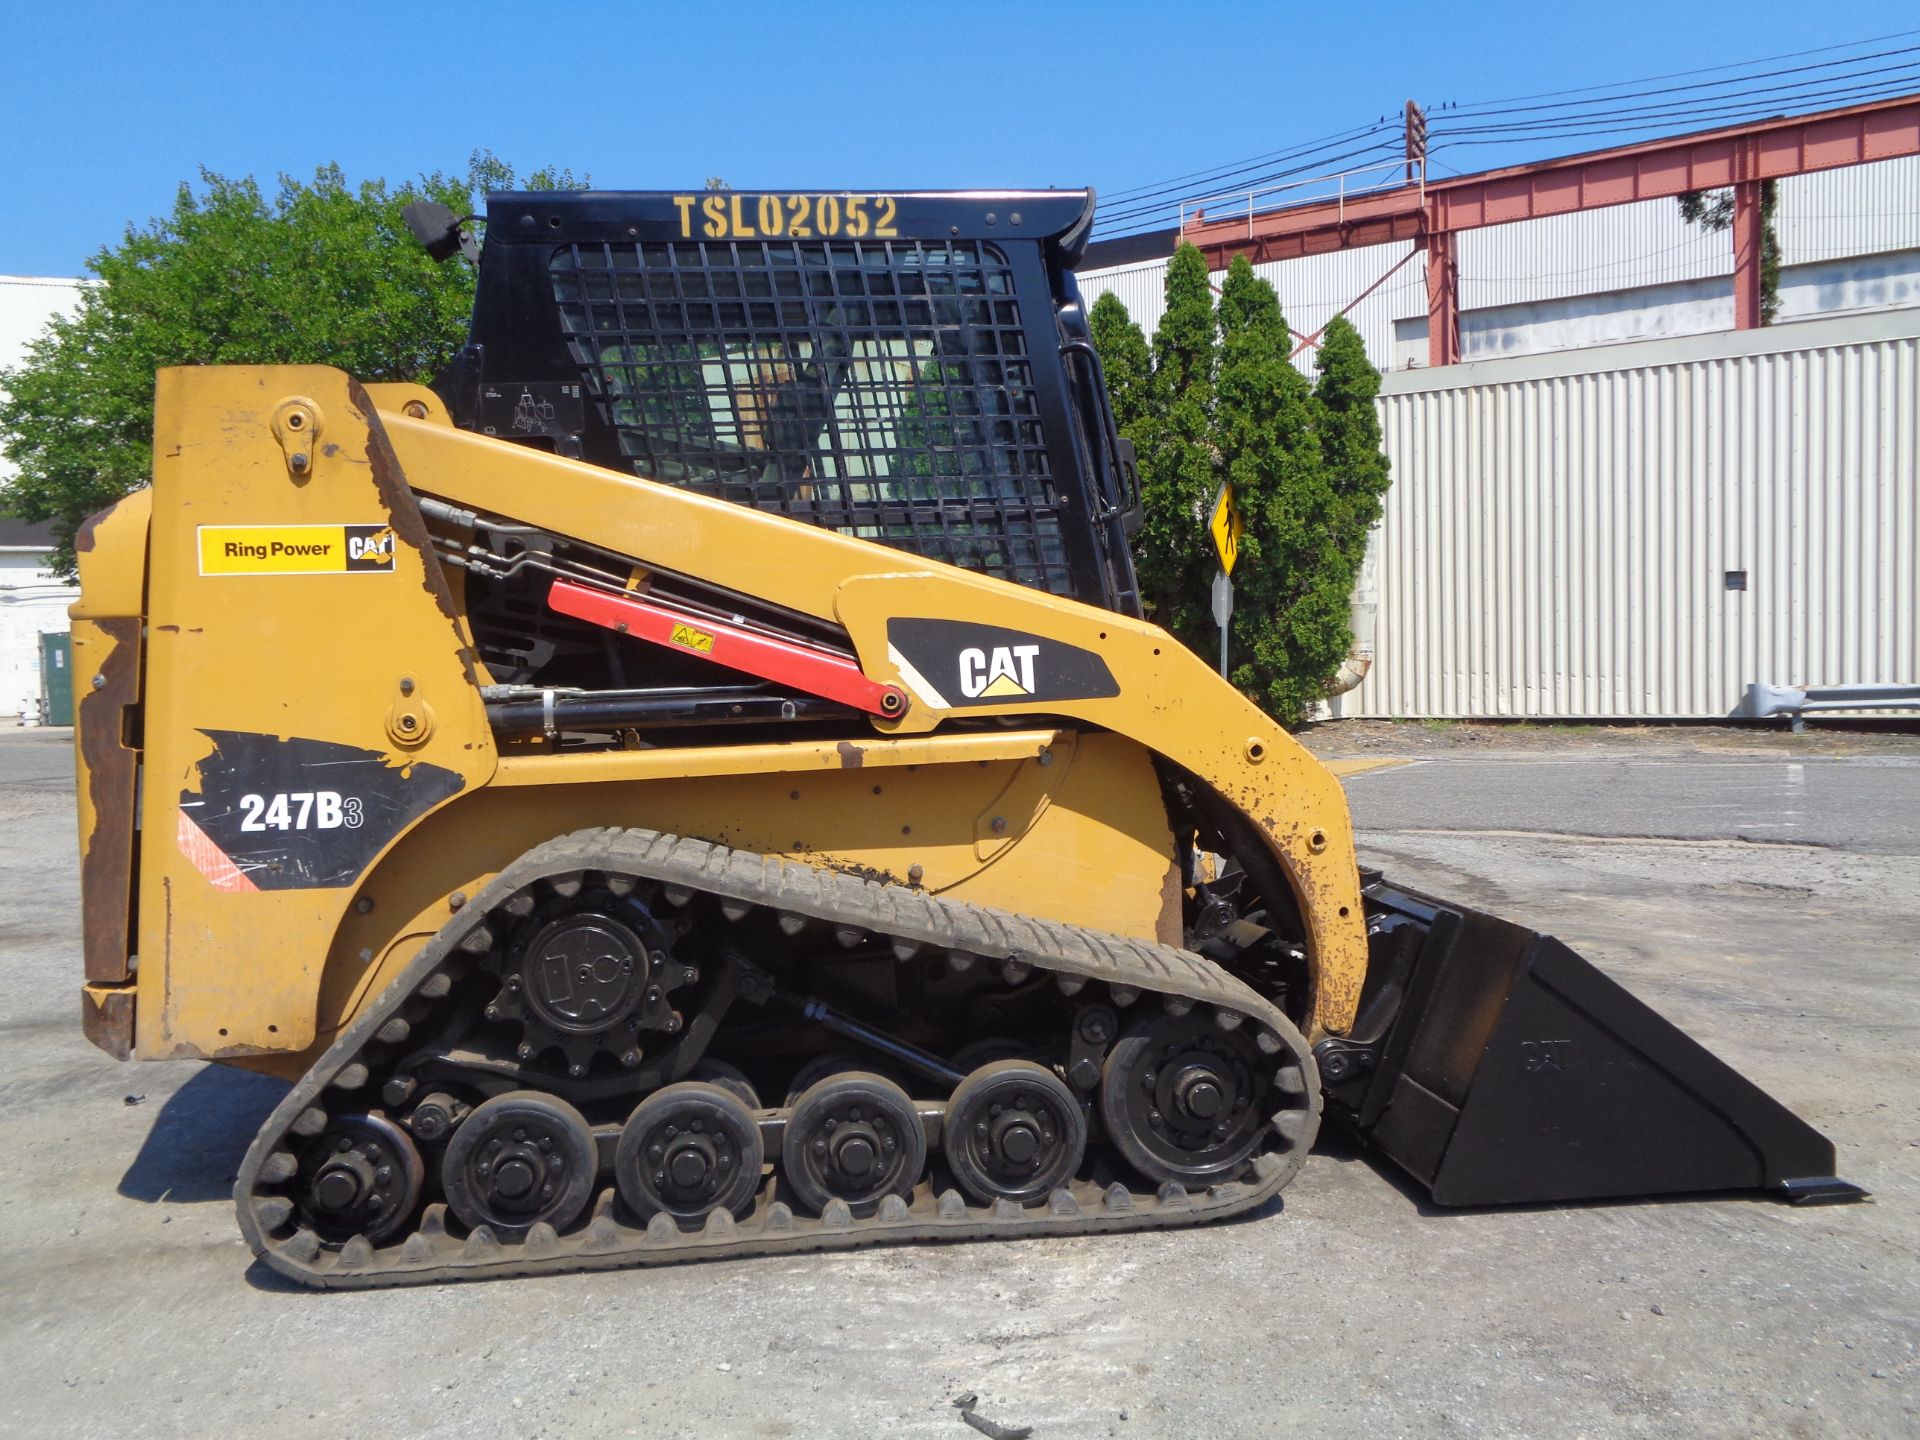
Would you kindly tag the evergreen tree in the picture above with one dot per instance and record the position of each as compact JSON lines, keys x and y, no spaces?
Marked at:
{"x":1294,"y":577}
{"x":1350,"y":436}
{"x":1125,"y":360}
{"x":1177,"y":479}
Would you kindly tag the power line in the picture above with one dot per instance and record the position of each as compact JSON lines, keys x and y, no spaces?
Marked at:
{"x":1703,"y":70}
{"x":1697,"y":90}
{"x":1144,"y":212}
{"x":1709,"y":102}
{"x":1713,"y":117}
{"x":1908,"y":73}
{"x":1316,"y":163}
{"x":1158,"y":201}
{"x":1258,"y":181}
{"x":1232,"y":165}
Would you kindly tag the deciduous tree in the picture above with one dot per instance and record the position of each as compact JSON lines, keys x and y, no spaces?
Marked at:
{"x":319,"y":272}
{"x":1712,"y":210}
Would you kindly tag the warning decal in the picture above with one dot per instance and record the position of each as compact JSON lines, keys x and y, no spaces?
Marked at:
{"x":693,"y":639}
{"x":296,"y":549}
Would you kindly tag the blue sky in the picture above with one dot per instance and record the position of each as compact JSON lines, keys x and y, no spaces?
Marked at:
{"x":106,"y":108}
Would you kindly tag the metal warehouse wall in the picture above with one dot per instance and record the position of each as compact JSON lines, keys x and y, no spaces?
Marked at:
{"x":1560,"y":529}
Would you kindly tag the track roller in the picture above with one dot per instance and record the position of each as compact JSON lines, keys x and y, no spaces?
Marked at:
{"x":687,"y":1150}
{"x":855,"y":1138}
{"x":518,"y":1160}
{"x":1014,"y":1131}
{"x":360,"y":1176}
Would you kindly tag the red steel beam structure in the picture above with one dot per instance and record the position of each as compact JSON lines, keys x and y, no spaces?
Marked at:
{"x":1739,"y":156}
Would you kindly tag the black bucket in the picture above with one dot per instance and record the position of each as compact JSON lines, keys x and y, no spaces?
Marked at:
{"x":1498,"y":1067}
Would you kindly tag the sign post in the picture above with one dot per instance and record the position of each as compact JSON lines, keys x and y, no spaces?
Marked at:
{"x":1226,"y":527}
{"x":1222,"y":612}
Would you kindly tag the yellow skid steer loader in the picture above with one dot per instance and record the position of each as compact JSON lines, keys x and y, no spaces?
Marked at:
{"x":695,"y":781}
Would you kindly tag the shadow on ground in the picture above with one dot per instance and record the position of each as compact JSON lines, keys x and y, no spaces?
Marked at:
{"x":198,"y":1137}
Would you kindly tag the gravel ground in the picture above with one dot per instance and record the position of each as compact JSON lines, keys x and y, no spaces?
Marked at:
{"x":128,"y":1306}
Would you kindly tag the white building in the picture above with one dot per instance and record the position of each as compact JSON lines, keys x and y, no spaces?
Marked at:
{"x":1849,"y":240}
{"x":32,"y":600}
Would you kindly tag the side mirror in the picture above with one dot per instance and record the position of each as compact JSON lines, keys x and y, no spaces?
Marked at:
{"x":438,"y":230}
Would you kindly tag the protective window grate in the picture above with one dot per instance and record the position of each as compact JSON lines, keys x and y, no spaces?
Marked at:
{"x":882,"y":390}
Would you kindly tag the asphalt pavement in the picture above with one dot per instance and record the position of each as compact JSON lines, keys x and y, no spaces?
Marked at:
{"x":1865,"y":803}
{"x":1353,"y":1307}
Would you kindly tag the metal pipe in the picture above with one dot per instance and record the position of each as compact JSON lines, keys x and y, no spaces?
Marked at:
{"x":535,"y":711}
{"x":1362,"y":613}
{"x":912,"y":1056}
{"x":1763,"y":702}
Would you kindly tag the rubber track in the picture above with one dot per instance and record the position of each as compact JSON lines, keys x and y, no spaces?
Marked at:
{"x":432,"y":1254}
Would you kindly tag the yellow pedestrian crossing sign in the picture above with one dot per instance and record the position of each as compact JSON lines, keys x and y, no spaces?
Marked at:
{"x":1226,"y":527}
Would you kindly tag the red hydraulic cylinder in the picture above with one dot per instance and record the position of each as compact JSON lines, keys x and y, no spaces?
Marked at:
{"x":785,"y":662}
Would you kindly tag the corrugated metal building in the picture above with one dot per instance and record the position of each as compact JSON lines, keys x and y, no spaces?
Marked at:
{"x":1572,"y":510}
{"x":1642,"y":530}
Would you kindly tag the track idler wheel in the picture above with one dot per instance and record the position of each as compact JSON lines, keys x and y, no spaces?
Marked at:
{"x":686,"y":1150}
{"x":361,"y":1176}
{"x":855,"y":1138}
{"x":1184,"y":1100}
{"x":1014,"y":1131}
{"x":520,"y":1159}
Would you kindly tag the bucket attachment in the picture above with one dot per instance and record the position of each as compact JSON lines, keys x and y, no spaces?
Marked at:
{"x":1498,"y":1067}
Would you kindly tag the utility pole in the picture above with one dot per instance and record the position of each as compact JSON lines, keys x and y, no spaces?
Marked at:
{"x":1416,"y":142}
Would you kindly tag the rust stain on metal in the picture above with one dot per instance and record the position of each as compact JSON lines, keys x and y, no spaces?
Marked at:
{"x":106,"y":857}
{"x":83,"y":537}
{"x":391,"y":483}
{"x":106,"y":1019}
{"x":870,"y":873}
{"x":1171,"y":926}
